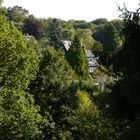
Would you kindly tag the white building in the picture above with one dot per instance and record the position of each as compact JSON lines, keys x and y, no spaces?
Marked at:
{"x":67,"y":44}
{"x":93,"y":64}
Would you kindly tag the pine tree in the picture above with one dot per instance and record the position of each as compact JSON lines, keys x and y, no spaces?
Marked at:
{"x":76,"y":57}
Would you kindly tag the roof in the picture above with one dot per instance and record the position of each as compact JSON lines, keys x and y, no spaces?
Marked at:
{"x":67,"y":44}
{"x":88,"y":53}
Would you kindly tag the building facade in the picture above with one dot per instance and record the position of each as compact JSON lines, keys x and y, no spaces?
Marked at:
{"x":92,"y":62}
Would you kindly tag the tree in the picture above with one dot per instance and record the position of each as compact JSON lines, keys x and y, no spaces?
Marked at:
{"x":109,"y":35}
{"x":98,"y":34}
{"x":97,"y":47}
{"x":81,"y":24}
{"x":54,"y":73}
{"x":76,"y":58}
{"x":55,"y":34}
{"x":125,"y":97}
{"x":100,"y":21}
{"x":126,"y":65}
{"x":50,"y":91}
{"x":17,"y":66}
{"x":17,"y":14}
{"x":85,"y":36}
{"x":111,"y":39}
{"x":19,"y":117}
{"x":3,"y":11}
{"x":88,"y":122}
{"x":68,"y":31}
{"x":34,"y":26}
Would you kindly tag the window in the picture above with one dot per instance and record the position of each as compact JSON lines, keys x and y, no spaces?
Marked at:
{"x":90,"y":60}
{"x":91,"y":70}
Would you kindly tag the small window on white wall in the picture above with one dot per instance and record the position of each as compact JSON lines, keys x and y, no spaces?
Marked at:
{"x":91,"y":70}
{"x":90,"y":60}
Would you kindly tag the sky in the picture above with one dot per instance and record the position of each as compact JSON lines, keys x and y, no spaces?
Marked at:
{"x":73,"y":9}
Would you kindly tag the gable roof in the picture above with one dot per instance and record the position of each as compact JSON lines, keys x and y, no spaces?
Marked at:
{"x":89,"y":54}
{"x":67,"y":44}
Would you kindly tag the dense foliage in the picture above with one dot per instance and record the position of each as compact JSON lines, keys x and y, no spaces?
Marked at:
{"x":19,"y":117}
{"x":76,"y":58}
{"x":46,"y":92}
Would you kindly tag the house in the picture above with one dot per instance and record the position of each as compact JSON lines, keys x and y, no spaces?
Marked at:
{"x":66,"y":44}
{"x":93,"y":64}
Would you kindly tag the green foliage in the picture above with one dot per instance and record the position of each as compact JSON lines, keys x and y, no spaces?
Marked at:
{"x":65,"y":109}
{"x":133,"y":132}
{"x":97,"y":47}
{"x":89,"y":123}
{"x":118,"y":24}
{"x":109,"y":35}
{"x":85,"y":36}
{"x":111,"y":39}
{"x":98,"y":34}
{"x":55,"y":33}
{"x":68,"y":31}
{"x":17,"y":14}
{"x":84,"y":102}
{"x":125,"y":98}
{"x":127,"y":88}
{"x":87,"y":86}
{"x":55,"y":69}
{"x":100,"y":21}
{"x":49,"y":90}
{"x":19,"y":118}
{"x":76,"y":58}
{"x":81,"y":24}
{"x":3,"y":11}
{"x":34,"y":26}
{"x":18,"y":62}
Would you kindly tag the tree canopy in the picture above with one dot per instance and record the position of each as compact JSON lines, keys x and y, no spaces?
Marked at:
{"x":76,"y":58}
{"x":46,"y":93}
{"x":19,"y":117}
{"x":34,"y":26}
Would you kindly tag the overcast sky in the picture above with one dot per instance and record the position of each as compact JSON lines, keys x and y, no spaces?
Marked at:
{"x":73,"y":9}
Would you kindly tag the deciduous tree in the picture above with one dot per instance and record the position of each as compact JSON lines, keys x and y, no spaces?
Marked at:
{"x":55,"y":34}
{"x":19,"y":117}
